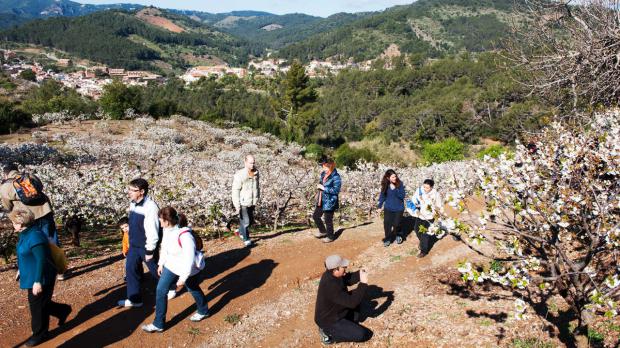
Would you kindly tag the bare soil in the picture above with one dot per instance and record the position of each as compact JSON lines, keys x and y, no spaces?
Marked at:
{"x":264,"y":297}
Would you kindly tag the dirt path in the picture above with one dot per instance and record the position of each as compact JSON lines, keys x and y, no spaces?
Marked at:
{"x":264,"y":297}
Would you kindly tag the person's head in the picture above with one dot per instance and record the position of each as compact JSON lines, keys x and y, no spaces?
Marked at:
{"x":390,"y":177}
{"x":428,"y":185}
{"x":249,"y":162}
{"x":8,"y":168}
{"x":123,"y":224}
{"x":328,"y":164}
{"x":337,"y":265}
{"x":168,"y":217}
{"x":138,"y":189}
{"x":21,"y":219}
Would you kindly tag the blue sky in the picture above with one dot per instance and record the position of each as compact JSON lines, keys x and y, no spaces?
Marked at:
{"x":321,"y":8}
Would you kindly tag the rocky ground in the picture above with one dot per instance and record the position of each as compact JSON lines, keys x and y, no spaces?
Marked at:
{"x":264,"y":297}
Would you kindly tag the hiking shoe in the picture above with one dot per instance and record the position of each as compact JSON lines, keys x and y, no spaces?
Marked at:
{"x":325,"y":339}
{"x":150,"y":328}
{"x":60,"y":276}
{"x":238,"y":234}
{"x":35,"y":341}
{"x":327,"y":240}
{"x":318,"y":234}
{"x":127,"y":303}
{"x":198,"y":317}
{"x":247,"y":243}
{"x":172,"y":294}
{"x":386,"y":243}
{"x":421,"y":255}
{"x":399,"y":240}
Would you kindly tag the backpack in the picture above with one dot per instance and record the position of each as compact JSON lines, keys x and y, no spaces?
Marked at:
{"x":199,"y":257}
{"x":29,"y":189}
{"x":411,"y":206}
{"x":196,"y":237}
{"x":59,"y":259}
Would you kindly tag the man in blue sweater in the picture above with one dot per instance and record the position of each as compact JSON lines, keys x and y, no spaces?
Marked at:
{"x":143,"y":240}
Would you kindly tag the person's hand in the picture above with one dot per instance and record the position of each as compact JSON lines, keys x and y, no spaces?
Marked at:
{"x":363,"y":276}
{"x":148,"y":258}
{"x":180,"y":286}
{"x":159,"y":270}
{"x":37,"y":289}
{"x":320,"y":187}
{"x":17,"y":275}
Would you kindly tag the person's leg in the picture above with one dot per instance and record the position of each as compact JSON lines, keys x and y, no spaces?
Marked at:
{"x":316,"y":216}
{"x":38,"y":313}
{"x":152,"y":266}
{"x":161,"y":296}
{"x":193,"y":286}
{"x":386,"y":225}
{"x":250,"y":211}
{"x":244,"y":223}
{"x":398,"y":217}
{"x":133,"y":272}
{"x":329,"y":223}
{"x":58,"y":310}
{"x":347,"y":331}
{"x":424,"y":237}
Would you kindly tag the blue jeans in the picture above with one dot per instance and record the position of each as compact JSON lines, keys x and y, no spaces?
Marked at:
{"x":134,"y":271}
{"x":168,"y":279}
{"x":246,"y":218}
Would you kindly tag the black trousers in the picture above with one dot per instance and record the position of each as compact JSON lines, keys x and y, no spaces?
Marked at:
{"x":426,"y":240}
{"x":348,"y":330}
{"x":41,"y":307}
{"x":391,"y":224}
{"x":328,"y":215}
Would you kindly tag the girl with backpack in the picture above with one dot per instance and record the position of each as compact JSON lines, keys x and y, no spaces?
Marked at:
{"x":180,"y":262}
{"x":392,"y":201}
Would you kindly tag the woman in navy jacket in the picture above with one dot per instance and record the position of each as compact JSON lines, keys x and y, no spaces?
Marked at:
{"x":392,"y":201}
{"x":37,"y":275}
{"x":327,"y":200}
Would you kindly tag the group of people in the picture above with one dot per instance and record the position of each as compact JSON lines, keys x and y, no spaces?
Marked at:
{"x":162,"y":239}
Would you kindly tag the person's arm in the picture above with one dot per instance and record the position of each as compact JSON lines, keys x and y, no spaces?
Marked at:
{"x":188,"y":247}
{"x":346,"y":299}
{"x":7,"y":202}
{"x":400,"y":192}
{"x":236,"y":192}
{"x":256,"y":195}
{"x":381,"y":199}
{"x":39,"y":255}
{"x":151,"y":228}
{"x":352,"y":278}
{"x":334,"y":189}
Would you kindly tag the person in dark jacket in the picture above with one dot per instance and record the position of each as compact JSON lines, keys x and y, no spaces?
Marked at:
{"x":392,"y":201}
{"x":336,"y":308}
{"x":327,"y":200}
{"x":37,"y":274}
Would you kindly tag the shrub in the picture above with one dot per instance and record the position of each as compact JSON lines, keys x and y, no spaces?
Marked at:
{"x":347,"y":156}
{"x":492,"y":151}
{"x":11,"y":119}
{"x":450,"y":149}
{"x":28,"y":75}
{"x":314,"y":151}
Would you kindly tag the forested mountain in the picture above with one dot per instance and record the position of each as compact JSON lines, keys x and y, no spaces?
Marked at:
{"x":134,"y":40}
{"x":13,"y":12}
{"x":429,"y":27}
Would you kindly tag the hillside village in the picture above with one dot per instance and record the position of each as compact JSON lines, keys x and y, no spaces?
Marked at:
{"x":89,"y":80}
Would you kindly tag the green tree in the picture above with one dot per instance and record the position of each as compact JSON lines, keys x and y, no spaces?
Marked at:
{"x":11,"y":119}
{"x":117,"y":97}
{"x":51,"y":96}
{"x":28,"y":75}
{"x":298,"y":92}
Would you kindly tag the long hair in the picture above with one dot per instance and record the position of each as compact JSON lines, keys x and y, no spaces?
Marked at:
{"x":331,"y":165}
{"x":385,"y":182}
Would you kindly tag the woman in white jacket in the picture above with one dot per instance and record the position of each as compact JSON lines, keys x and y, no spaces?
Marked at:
{"x":177,"y":263}
{"x":429,"y":204}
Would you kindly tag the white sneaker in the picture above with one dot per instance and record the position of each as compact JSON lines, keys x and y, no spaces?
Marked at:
{"x":172,"y":294}
{"x":127,"y":303}
{"x":198,"y":317}
{"x":151,"y":328}
{"x":247,"y":242}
